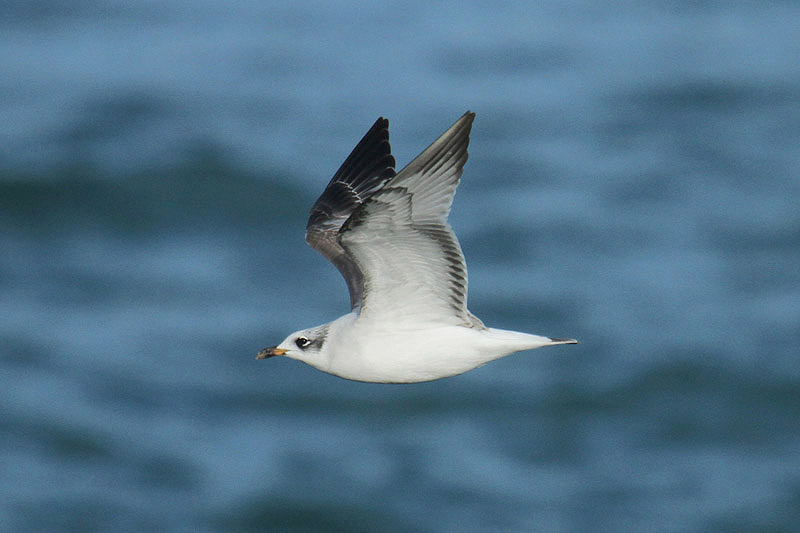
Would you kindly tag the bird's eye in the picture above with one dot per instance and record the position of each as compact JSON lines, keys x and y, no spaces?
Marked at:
{"x":302,"y":342}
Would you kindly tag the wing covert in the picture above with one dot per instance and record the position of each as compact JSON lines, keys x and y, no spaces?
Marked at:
{"x":409,"y":258}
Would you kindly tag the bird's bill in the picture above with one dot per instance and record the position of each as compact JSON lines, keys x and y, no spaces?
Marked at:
{"x":270,"y":352}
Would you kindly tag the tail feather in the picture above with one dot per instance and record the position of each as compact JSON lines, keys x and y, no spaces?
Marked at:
{"x":526,"y":341}
{"x":563,"y":341}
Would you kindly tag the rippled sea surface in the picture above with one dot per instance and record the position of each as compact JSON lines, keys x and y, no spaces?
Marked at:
{"x":633,"y":183}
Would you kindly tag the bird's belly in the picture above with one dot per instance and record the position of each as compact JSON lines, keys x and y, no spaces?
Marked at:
{"x":412,"y":356}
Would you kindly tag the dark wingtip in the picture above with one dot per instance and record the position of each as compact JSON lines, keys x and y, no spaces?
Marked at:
{"x":368,"y":167}
{"x":468,"y":117}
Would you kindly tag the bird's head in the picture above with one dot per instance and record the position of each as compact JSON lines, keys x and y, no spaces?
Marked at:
{"x":305,"y":345}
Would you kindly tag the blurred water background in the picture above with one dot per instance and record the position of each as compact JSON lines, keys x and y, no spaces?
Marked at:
{"x":633,"y":183}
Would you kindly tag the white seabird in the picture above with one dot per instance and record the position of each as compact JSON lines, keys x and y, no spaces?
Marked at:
{"x":388,"y":235}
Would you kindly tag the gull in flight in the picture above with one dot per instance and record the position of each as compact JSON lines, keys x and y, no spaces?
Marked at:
{"x":388,"y":235}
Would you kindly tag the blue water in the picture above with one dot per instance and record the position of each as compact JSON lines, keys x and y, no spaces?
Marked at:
{"x":633,"y":182}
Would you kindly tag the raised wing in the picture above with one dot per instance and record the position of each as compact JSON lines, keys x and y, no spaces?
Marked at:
{"x":368,"y":167}
{"x":409,"y":258}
